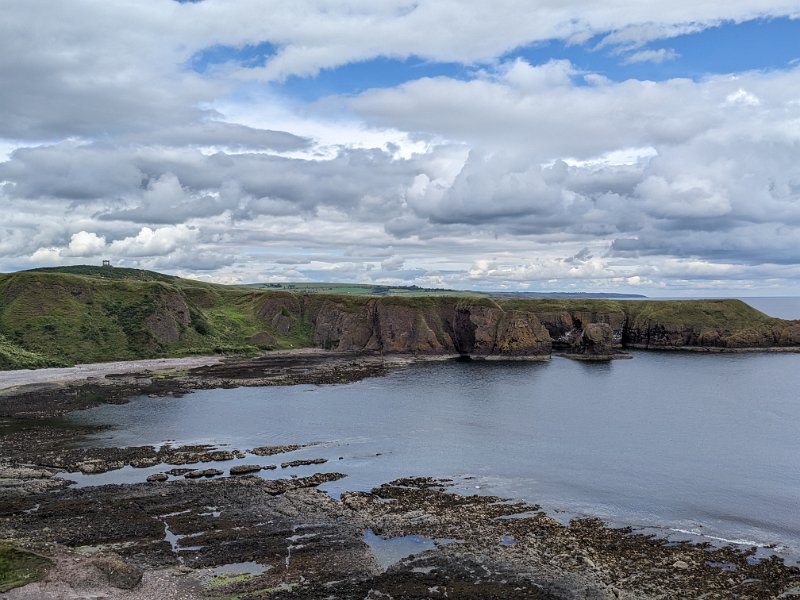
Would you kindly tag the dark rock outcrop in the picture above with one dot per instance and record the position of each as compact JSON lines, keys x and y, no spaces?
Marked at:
{"x":338,"y":326}
{"x":244,"y":469}
{"x":596,"y":339}
{"x":198,"y":473}
{"x":170,"y":317}
{"x":595,"y":342}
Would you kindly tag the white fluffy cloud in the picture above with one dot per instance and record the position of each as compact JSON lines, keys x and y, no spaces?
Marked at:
{"x":85,"y":244}
{"x":515,"y":176}
{"x":155,"y":242}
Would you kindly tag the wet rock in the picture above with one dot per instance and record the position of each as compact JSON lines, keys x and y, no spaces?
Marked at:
{"x":271,"y":450}
{"x":157,"y":477}
{"x":92,"y":467}
{"x":219,"y":455}
{"x":120,"y":574}
{"x":179,"y":472}
{"x":197,"y":474}
{"x":25,"y":481}
{"x":303,"y":462}
{"x":142,"y":463}
{"x":243,"y":469}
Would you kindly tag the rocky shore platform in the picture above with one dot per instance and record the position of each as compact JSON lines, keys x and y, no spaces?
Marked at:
{"x":237,"y":536}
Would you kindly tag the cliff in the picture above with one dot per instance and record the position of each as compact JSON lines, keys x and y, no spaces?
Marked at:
{"x":86,"y":314}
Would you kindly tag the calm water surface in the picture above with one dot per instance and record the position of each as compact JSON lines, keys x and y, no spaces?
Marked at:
{"x":783,"y":307}
{"x":692,"y":443}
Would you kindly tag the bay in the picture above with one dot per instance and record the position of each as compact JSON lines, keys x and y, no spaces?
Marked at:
{"x":690,"y":445}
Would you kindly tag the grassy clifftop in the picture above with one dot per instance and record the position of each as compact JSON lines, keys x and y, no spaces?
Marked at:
{"x":63,"y":316}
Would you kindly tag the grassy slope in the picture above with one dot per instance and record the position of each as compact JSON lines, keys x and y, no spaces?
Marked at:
{"x":61,"y":318}
{"x":85,"y":314}
{"x":728,"y":313}
{"x":14,"y":357}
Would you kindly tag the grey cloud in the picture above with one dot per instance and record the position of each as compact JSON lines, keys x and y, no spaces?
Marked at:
{"x":153,"y":186}
{"x":193,"y":260}
{"x":92,"y":68}
{"x":68,"y":171}
{"x":228,"y":135}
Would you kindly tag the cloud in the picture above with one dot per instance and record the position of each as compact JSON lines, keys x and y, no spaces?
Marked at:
{"x":581,"y":118}
{"x":218,"y":134}
{"x":511,"y":175}
{"x":154,"y":242}
{"x":68,"y":171}
{"x":393,"y":263}
{"x":310,"y":36}
{"x":85,"y":244}
{"x":741,"y":98}
{"x":654,"y":56}
{"x":91,"y":66}
{"x":683,"y":198}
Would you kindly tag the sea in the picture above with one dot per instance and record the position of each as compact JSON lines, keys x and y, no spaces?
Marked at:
{"x":687,"y":446}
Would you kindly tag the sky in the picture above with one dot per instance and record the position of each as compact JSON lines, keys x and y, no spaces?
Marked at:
{"x":625,"y":146}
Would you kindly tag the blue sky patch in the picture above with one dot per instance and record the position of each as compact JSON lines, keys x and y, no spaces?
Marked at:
{"x":355,"y":78}
{"x":250,"y":56}
{"x":727,"y":48}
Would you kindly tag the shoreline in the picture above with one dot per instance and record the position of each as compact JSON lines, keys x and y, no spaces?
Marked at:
{"x":19,"y":378}
{"x":528,"y":554}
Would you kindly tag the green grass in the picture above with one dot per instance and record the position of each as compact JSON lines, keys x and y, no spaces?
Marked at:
{"x":18,"y":568}
{"x":14,"y":357}
{"x":728,"y":314}
{"x":222,"y":581}
{"x":551,"y":305}
{"x":114,"y":273}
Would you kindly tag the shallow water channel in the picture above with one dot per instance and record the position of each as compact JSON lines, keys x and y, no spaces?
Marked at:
{"x":692,"y":445}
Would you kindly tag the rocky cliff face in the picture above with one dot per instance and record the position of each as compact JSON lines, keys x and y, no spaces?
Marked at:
{"x":433,"y":327}
{"x":597,"y":339}
{"x":566,"y":326}
{"x":534,"y":328}
{"x":705,"y":324}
